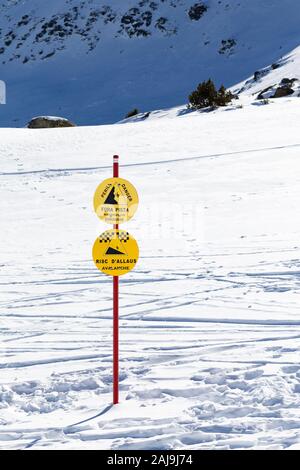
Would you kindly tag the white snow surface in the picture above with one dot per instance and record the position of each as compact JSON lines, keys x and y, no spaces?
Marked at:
{"x":209,"y":318}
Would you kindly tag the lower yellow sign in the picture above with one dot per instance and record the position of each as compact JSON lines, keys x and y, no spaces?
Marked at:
{"x":115,"y":252}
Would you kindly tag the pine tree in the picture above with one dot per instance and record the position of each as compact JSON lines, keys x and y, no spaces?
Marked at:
{"x":206,"y":95}
{"x":224,"y":97}
{"x":132,"y":113}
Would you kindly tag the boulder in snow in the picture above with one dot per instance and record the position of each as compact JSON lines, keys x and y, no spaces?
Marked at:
{"x":287,"y":87}
{"x":47,"y":122}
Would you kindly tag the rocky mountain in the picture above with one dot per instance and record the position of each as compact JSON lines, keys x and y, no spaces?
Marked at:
{"x":92,"y":61}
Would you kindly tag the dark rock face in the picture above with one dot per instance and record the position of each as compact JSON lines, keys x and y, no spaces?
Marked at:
{"x":135,"y":22}
{"x":227,"y":46}
{"x":288,"y":81}
{"x":87,"y":21}
{"x":283,"y":91}
{"x":260,"y":74}
{"x":261,"y":94}
{"x":197,"y":11}
{"x":44,"y":122}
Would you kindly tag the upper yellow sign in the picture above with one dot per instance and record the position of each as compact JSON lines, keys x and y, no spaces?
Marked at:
{"x":115,"y":200}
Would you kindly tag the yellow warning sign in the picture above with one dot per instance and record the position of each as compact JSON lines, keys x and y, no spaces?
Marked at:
{"x":115,"y":252}
{"x":115,"y":200}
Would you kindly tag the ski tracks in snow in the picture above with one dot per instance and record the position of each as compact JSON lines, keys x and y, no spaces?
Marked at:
{"x":221,"y":382}
{"x":209,"y":325}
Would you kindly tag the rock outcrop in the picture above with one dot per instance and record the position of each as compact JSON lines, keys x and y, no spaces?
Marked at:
{"x":49,"y":122}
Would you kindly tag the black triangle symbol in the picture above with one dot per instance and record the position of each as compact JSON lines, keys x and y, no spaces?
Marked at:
{"x":111,"y":197}
{"x":113,"y":251}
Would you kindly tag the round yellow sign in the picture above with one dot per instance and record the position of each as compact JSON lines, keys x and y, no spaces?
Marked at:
{"x":115,"y":200}
{"x":115,"y":252}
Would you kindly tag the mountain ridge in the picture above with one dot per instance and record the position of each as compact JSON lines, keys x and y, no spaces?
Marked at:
{"x":92,"y":62}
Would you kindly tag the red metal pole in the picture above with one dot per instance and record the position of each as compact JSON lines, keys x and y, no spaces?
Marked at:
{"x":116,"y":313}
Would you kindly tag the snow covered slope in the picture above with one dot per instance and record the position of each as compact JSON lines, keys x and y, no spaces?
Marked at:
{"x":210,"y":320}
{"x":92,"y":61}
